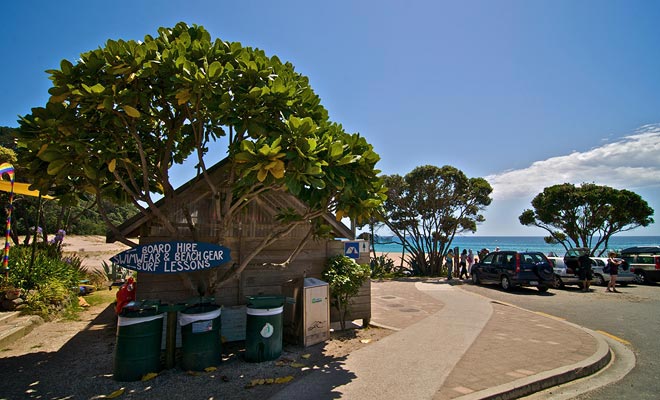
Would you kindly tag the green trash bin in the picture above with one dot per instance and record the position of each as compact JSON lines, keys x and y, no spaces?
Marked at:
{"x":263,"y":331}
{"x":201,"y":343}
{"x":139,"y":334}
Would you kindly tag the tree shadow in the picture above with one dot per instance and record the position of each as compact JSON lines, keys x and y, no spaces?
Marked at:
{"x":47,"y":375}
{"x":83,"y":369}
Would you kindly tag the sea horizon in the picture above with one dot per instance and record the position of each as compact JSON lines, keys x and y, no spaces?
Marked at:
{"x":519,"y":243}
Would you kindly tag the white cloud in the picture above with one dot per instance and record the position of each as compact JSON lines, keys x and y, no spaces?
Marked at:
{"x":633,"y":162}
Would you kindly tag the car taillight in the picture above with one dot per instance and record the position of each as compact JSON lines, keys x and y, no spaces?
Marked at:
{"x":517,"y":263}
{"x":657,"y":262}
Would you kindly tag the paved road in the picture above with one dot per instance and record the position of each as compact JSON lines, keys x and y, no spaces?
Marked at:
{"x":632,"y":316}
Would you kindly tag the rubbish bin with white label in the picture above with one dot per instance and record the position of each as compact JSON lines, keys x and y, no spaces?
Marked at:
{"x":201,"y":342}
{"x":263,"y":329}
{"x":137,"y":350}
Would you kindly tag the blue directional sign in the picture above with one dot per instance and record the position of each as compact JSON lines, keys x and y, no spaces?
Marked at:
{"x":172,"y":257}
{"x":352,"y":249}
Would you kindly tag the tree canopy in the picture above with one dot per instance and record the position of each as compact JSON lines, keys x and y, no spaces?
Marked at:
{"x":79,"y":218}
{"x":121,"y":116}
{"x":587,"y":215}
{"x":427,"y":208}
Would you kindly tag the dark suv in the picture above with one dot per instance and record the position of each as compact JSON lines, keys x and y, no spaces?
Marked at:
{"x":513,"y":268}
{"x":644,"y":262}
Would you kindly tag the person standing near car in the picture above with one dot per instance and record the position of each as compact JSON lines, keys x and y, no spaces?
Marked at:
{"x":586,"y":274}
{"x":449,"y":262}
{"x":463,"y":265}
{"x":470,"y":261}
{"x":613,"y":265}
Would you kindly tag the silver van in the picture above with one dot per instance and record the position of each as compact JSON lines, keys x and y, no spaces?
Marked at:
{"x":644,"y":262}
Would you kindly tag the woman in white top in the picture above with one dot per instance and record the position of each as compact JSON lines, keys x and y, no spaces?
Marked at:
{"x":470,"y":261}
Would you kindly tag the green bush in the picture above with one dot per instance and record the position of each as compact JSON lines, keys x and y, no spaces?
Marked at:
{"x":48,"y":265}
{"x":381,"y":267}
{"x":50,"y":298}
{"x":50,"y":282}
{"x":345,"y":278}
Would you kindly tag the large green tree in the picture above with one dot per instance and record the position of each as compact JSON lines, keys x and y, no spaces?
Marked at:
{"x":587,"y":215}
{"x":428,"y":207}
{"x":123,"y":114}
{"x":79,"y":218}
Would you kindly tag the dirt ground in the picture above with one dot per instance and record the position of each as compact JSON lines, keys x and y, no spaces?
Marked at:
{"x":74,"y":359}
{"x":93,"y":250}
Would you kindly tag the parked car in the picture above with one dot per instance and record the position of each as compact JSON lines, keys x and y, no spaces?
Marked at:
{"x":563,"y":274}
{"x":644,"y":262}
{"x":624,"y":277}
{"x":510,"y":269}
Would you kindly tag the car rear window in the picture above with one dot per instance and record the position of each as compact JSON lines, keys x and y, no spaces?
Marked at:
{"x":533,"y":258}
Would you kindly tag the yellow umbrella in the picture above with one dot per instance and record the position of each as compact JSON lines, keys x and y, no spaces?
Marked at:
{"x":22,"y":188}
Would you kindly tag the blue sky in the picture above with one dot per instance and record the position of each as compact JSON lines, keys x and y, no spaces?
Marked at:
{"x":525,"y":93}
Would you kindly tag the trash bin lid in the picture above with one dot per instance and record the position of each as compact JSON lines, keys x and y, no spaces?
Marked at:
{"x":312,"y":282}
{"x":265,"y":301}
{"x":140,"y":309}
{"x":200,"y":308}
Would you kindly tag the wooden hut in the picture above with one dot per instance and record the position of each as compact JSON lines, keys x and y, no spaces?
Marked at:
{"x":247,"y":230}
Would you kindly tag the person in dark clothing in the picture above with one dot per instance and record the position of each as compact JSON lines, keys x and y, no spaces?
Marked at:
{"x":463,"y":265}
{"x":586,"y":273}
{"x":613,"y":263}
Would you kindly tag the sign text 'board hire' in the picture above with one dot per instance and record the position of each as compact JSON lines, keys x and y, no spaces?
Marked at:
{"x":172,"y":257}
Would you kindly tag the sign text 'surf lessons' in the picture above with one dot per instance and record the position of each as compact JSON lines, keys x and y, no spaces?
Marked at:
{"x":172,"y":257}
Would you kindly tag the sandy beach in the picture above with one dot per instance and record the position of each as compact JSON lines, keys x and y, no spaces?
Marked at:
{"x":92,"y":249}
{"x":395,"y":257}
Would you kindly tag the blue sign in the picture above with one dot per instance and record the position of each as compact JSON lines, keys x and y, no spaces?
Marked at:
{"x":172,"y":257}
{"x":352,"y":249}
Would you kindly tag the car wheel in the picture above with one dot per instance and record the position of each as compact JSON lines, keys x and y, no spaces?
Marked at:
{"x":475,"y":278}
{"x":558,"y":282}
{"x":542,"y":289}
{"x":640,"y":277}
{"x":505,"y":283}
{"x":600,"y":281}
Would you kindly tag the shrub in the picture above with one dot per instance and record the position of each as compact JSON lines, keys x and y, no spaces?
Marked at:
{"x":50,"y":298}
{"x":49,"y":281}
{"x":47,"y":265}
{"x":345,"y":278}
{"x":381,"y":267}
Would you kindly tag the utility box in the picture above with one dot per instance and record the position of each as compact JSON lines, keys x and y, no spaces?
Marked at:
{"x":306,"y":311}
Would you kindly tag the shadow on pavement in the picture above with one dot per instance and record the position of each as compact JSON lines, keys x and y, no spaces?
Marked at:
{"x":83,"y":369}
{"x":67,"y":372}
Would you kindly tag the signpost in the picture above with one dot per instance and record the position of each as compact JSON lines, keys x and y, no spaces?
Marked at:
{"x":352,"y":249}
{"x":173,"y":257}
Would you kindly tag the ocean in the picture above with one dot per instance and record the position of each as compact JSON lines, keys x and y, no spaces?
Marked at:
{"x":521,"y":243}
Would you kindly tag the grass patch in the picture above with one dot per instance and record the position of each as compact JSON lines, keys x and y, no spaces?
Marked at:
{"x":100,"y":297}
{"x":96,"y":298}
